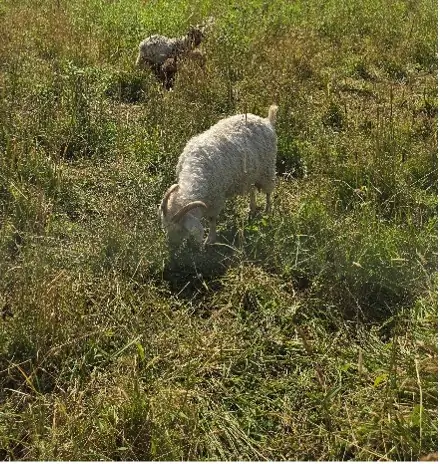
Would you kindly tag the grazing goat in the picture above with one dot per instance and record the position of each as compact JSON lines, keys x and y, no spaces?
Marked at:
{"x":233,"y":157}
{"x":160,"y":53}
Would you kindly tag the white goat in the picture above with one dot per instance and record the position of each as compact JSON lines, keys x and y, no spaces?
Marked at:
{"x":156,"y":49}
{"x":231,"y":158}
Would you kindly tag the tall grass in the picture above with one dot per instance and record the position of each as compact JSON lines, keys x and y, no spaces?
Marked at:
{"x":309,"y":334}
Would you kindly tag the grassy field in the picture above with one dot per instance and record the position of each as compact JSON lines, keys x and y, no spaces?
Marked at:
{"x":309,"y":334}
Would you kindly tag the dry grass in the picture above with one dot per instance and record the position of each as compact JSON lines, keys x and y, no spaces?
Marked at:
{"x":308,"y":335}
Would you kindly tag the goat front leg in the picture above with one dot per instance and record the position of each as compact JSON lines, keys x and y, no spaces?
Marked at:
{"x":212,"y":231}
{"x":253,"y":204}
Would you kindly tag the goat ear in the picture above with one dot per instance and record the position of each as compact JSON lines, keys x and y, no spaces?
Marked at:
{"x":193,"y":226}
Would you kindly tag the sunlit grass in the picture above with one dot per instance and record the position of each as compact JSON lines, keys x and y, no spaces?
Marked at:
{"x":310,"y":334}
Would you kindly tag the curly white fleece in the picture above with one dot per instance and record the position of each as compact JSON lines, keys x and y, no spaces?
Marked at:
{"x":156,"y":49}
{"x":231,"y":158}
{"x":227,"y":160}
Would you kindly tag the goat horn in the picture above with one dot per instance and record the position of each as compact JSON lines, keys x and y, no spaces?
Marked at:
{"x":164,"y":203}
{"x":188,"y":207}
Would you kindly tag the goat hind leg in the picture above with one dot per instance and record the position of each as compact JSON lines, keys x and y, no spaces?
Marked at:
{"x":253,"y":204}
{"x":268,"y":204}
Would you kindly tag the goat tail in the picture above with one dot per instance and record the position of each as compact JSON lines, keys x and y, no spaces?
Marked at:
{"x":273,"y":110}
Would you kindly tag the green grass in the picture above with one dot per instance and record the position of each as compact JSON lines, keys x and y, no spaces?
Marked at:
{"x":309,"y":334}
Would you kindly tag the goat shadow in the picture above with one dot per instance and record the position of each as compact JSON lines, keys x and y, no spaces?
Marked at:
{"x":192,"y":273}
